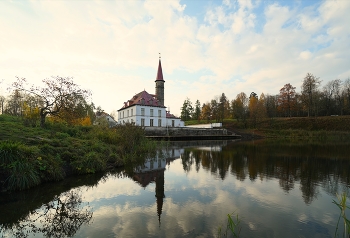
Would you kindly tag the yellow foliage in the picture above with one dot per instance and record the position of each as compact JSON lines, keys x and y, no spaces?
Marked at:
{"x":31,"y":115}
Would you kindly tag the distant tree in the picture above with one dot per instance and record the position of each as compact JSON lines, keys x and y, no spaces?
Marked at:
{"x":206,"y":112}
{"x":286,"y":99}
{"x":239,"y":107}
{"x":337,"y":85}
{"x":186,"y":110}
{"x":310,"y":93}
{"x":253,"y":106}
{"x":222,"y":107}
{"x":261,"y":109}
{"x":271,"y":104}
{"x":14,"y":105}
{"x":214,"y":105}
{"x":57,"y":94}
{"x":197,"y":111}
{"x":346,"y":95}
{"x":2,"y":102}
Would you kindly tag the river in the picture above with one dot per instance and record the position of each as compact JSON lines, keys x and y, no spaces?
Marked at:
{"x":273,"y":189}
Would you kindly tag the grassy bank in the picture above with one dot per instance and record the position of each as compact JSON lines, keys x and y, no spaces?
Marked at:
{"x":32,"y":155}
{"x":333,"y":128}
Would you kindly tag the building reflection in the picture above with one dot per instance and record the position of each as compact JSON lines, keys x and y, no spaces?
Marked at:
{"x":152,"y":171}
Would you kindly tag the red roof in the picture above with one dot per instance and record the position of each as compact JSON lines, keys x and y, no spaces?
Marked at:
{"x":169,"y":115}
{"x":160,"y":73}
{"x":143,"y":98}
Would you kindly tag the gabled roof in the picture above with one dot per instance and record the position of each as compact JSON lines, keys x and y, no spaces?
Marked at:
{"x":169,"y":115}
{"x":159,"y":73}
{"x":143,"y":98}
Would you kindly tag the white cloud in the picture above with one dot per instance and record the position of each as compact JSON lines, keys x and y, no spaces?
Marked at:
{"x":112,"y":47}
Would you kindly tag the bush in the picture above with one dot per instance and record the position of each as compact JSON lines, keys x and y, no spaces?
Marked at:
{"x":90,"y":163}
{"x":18,"y":160}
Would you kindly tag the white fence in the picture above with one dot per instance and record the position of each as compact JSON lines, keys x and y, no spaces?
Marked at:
{"x":211,"y":125}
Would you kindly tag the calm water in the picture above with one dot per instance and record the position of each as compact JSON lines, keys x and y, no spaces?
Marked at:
{"x":276,"y":189}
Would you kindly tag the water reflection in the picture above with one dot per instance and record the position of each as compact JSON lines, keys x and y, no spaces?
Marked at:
{"x":61,"y":217}
{"x":307,"y":164}
{"x":186,"y":190}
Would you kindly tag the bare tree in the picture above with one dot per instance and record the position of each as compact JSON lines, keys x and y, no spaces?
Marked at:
{"x":309,"y":90}
{"x":56,"y":95}
{"x":346,"y":95}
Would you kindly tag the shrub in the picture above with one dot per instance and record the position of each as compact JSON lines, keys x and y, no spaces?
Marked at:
{"x":22,"y":175}
{"x":90,"y":163}
{"x":18,"y":160}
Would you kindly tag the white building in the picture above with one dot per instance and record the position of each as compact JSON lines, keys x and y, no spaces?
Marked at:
{"x":102,"y":117}
{"x":146,"y":109}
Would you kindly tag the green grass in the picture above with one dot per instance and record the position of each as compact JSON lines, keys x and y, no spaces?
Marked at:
{"x":31,"y":155}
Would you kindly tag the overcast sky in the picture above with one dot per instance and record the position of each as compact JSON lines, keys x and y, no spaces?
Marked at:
{"x":207,"y":47}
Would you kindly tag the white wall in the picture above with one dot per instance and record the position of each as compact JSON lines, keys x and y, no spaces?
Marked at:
{"x":137,"y":116}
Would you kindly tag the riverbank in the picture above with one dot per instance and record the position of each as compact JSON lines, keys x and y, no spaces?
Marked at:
{"x":30,"y":156}
{"x":325,"y":128}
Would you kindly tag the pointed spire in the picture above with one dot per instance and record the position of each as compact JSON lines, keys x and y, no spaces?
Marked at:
{"x":160,"y":71}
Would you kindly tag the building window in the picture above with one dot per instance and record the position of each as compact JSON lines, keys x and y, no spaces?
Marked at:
{"x":151,"y":112}
{"x":132,"y":120}
{"x":151,"y":122}
{"x":132,"y":112}
{"x":123,"y":114}
{"x":142,"y":121}
{"x":159,"y":122}
{"x":128,"y":113}
{"x":159,"y":113}
{"x":172,"y":123}
{"x":142,"y":111}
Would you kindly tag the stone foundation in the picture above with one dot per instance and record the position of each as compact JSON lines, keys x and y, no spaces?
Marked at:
{"x":184,"y":131}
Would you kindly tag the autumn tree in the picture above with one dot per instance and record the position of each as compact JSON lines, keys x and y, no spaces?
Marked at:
{"x":76,"y":112}
{"x":286,"y":99}
{"x":253,"y":105}
{"x":239,"y":107}
{"x":206,"y":112}
{"x":310,"y":93}
{"x":56,"y":95}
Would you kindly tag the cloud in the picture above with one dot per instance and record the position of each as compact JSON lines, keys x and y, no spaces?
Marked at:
{"x":112,"y":47}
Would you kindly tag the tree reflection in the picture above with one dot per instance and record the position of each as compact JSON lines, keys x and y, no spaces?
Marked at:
{"x":312,"y":166}
{"x":61,"y":217}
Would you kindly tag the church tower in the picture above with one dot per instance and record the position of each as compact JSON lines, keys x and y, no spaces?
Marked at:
{"x":160,"y":84}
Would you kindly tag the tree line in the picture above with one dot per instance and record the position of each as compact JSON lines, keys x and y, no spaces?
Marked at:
{"x":311,"y":101}
{"x":59,"y":99}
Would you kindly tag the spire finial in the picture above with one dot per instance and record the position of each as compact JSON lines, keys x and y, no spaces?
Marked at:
{"x":160,"y":56}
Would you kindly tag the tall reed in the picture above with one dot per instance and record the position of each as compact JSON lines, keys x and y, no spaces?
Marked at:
{"x":341,"y":204}
{"x":232,"y":225}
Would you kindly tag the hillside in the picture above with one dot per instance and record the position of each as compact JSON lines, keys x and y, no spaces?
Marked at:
{"x":32,"y":155}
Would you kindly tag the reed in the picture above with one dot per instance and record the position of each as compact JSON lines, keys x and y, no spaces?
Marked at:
{"x":341,"y":204}
{"x":232,"y":226}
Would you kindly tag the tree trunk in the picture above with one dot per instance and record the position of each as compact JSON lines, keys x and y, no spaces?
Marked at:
{"x":42,"y":120}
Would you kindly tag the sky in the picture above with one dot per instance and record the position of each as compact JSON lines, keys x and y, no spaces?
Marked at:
{"x":207,"y":47}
